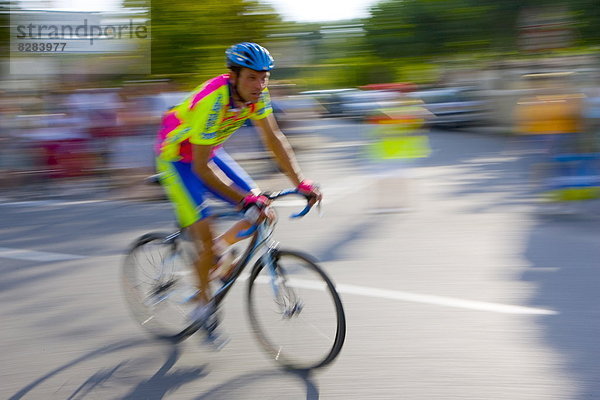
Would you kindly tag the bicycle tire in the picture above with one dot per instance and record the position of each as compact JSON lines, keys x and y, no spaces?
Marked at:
{"x":168,"y":318}
{"x":297,"y":353}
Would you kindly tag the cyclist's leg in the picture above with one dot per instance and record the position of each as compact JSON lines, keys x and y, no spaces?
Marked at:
{"x":241,"y":179}
{"x":234,"y":171}
{"x":186,"y":192}
{"x":203,"y":239}
{"x":187,"y":195}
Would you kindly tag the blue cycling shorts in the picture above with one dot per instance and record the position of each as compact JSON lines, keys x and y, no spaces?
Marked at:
{"x":188,"y":193}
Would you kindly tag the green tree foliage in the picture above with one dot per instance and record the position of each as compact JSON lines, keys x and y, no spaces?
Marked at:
{"x":586,"y":14}
{"x":190,"y":36}
{"x":5,"y":7}
{"x":427,"y":27}
{"x":399,"y":28}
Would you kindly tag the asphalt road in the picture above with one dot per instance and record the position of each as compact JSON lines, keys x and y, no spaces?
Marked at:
{"x":477,"y":292}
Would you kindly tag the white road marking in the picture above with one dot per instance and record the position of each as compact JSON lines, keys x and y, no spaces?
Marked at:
{"x":43,"y":256}
{"x":442,"y":300}
{"x":58,"y":203}
{"x":417,"y":298}
{"x":343,"y":145}
{"x":32,"y":255}
{"x":26,"y":203}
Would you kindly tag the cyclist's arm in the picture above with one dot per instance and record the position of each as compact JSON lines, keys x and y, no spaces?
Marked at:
{"x":278,"y":144}
{"x":211,"y":175}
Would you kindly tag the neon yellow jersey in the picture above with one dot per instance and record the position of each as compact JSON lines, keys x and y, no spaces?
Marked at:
{"x":206,"y":117}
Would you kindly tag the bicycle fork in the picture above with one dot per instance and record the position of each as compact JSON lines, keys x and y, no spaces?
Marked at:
{"x":283,"y":294}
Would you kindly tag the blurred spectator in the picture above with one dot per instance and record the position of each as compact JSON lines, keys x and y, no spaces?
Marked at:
{"x":142,"y":108}
{"x":397,"y":137}
{"x":551,"y":118}
{"x":143,"y":104}
{"x":562,"y":167}
{"x":98,"y":110}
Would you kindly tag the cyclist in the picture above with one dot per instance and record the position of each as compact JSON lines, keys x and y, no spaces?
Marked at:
{"x":192,"y":162}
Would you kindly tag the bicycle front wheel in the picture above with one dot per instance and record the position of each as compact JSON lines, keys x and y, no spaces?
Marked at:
{"x":295,"y":312}
{"x":157,"y":283}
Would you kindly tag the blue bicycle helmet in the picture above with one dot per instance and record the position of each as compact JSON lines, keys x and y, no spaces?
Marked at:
{"x":249,"y":55}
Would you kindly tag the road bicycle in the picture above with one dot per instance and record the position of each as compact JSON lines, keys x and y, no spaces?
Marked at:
{"x":294,"y":309}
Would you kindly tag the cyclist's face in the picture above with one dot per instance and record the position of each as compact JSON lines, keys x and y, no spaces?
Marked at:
{"x":251,"y":83}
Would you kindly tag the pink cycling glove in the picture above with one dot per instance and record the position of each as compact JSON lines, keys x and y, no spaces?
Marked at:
{"x":307,"y":187}
{"x":252,"y":205}
{"x":259,"y":201}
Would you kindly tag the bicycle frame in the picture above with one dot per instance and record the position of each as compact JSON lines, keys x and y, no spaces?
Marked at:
{"x":261,"y":234}
{"x":259,"y":241}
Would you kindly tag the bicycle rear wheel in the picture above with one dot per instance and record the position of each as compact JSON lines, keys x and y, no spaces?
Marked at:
{"x":157,"y":284}
{"x":295,"y":312}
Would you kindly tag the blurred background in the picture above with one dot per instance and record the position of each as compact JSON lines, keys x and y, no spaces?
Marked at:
{"x":74,"y":116}
{"x":455,"y":119}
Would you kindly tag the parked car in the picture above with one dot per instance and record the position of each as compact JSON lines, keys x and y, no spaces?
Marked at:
{"x":360,"y":104}
{"x":453,"y":107}
{"x":352,"y":103}
{"x":331,"y":100}
{"x":292,"y":111}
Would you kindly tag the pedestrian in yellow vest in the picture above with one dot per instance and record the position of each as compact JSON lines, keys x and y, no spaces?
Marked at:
{"x":397,"y":137}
